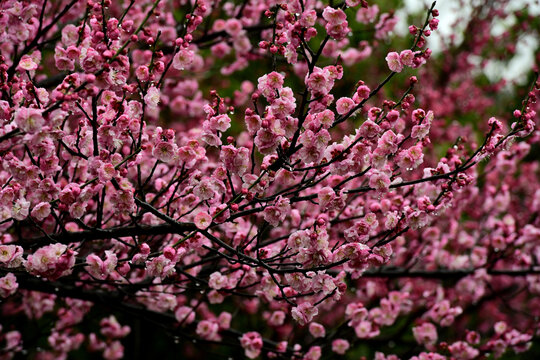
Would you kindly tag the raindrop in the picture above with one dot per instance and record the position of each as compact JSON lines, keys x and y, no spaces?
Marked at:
{"x":202,"y":291}
{"x":176,"y":340}
{"x":194,"y":341}
{"x":56,"y":289}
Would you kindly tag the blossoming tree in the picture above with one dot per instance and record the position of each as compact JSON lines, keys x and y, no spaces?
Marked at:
{"x":273,"y":179}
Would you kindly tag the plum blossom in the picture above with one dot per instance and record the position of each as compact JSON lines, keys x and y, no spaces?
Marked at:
{"x":29,"y":120}
{"x":152,"y":97}
{"x":425,"y":334}
{"x":203,"y":220}
{"x":183,"y":59}
{"x":394,"y":62}
{"x":101,"y":269}
{"x":304,"y":313}
{"x":51,"y":261}
{"x":8,"y":285}
{"x":217,"y":281}
{"x":252,"y":344}
{"x":41,"y":211}
{"x":11,"y":256}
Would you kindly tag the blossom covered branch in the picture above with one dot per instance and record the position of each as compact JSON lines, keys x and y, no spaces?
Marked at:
{"x":266,"y":178}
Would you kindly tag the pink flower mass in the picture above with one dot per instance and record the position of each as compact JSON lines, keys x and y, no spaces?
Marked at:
{"x":302,"y":179}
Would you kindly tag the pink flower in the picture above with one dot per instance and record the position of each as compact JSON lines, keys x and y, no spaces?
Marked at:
{"x":406,"y":57}
{"x":235,"y":160}
{"x":380,"y":181}
{"x":152,"y":97}
{"x":325,"y":196}
{"x":183,"y":59}
{"x":165,"y":152}
{"x":220,"y":123}
{"x":41,"y":211}
{"x":425,"y":334}
{"x":113,"y":350}
{"x":233,"y":27}
{"x":304,"y":313}
{"x":160,"y":266}
{"x":367,"y":15}
{"x":106,"y":172}
{"x":208,"y":330}
{"x":29,"y":120}
{"x":463,"y":351}
{"x":142,"y":73}
{"x":184,"y":315}
{"x":338,"y":31}
{"x":277,"y":318}
{"x":340,"y":346}
{"x":77,"y":210}
{"x":11,"y":256}
{"x":91,"y":60}
{"x":363,"y":92}
{"x":111,"y":328}
{"x":314,"y":353}
{"x":51,"y":261}
{"x":20,"y":209}
{"x":394,"y":62}
{"x":266,"y":141}
{"x":27,"y":63}
{"x":101,"y":269}
{"x":308,"y":18}
{"x":276,"y":214}
{"x":202,"y":220}
{"x":334,"y":16}
{"x":317,"y":330}
{"x":364,"y":330}
{"x":369,"y":129}
{"x":217,"y":280}
{"x":388,"y":142}
{"x":344,"y":105}
{"x":8,"y":285}
{"x":326,"y":118}
{"x":319,"y":81}
{"x":252,"y":343}
{"x":205,"y":189}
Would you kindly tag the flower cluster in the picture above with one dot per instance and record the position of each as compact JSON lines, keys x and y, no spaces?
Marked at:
{"x":264,"y":179}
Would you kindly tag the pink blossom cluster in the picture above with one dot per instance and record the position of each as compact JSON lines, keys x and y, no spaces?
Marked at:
{"x":260,"y":179}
